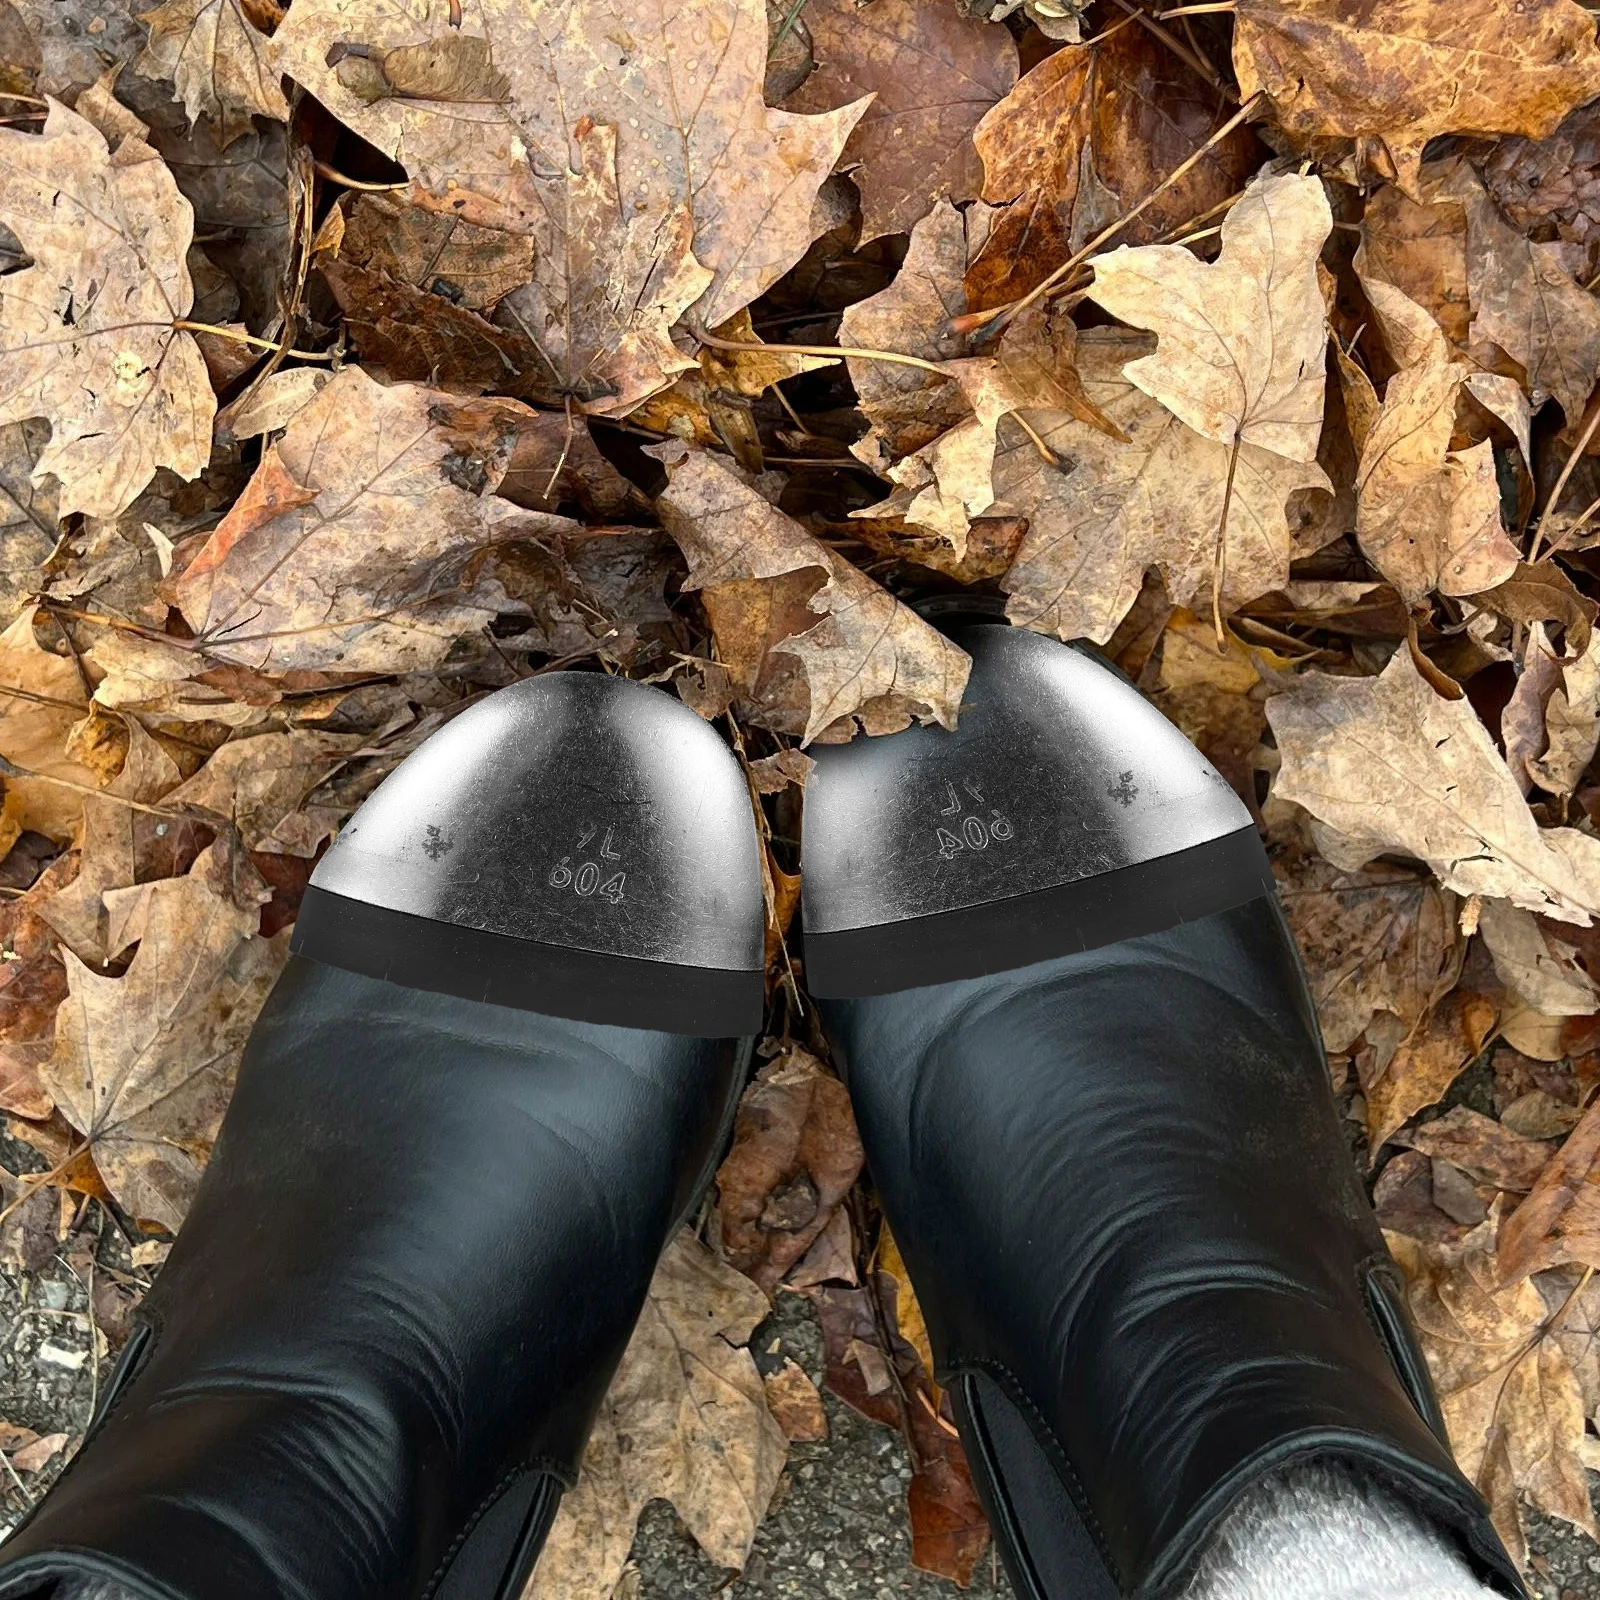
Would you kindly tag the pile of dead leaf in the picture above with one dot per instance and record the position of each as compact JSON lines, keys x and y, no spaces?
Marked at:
{"x":357,"y":360}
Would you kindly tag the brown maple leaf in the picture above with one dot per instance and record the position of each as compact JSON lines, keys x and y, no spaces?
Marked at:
{"x":850,"y":651}
{"x":87,"y":331}
{"x":144,"y":1063}
{"x":223,"y":67}
{"x":1084,"y":137}
{"x":1393,"y":74}
{"x":1510,"y":1398}
{"x":626,"y":143}
{"x":933,"y":73}
{"x":685,"y":1420}
{"x":350,"y":546}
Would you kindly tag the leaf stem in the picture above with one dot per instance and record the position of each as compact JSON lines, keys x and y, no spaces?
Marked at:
{"x":1219,"y":565}
{"x":1183,"y":52}
{"x":1573,"y":459}
{"x":1004,"y":314}
{"x":835,"y":350}
{"x":334,"y":175}
{"x":1211,"y":9}
{"x":249,"y":338}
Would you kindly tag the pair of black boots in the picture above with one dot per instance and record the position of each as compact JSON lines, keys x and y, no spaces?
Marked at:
{"x":502,"y":1066}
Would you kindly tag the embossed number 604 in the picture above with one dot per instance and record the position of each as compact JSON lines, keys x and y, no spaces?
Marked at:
{"x":975,"y":834}
{"x":585,"y":881}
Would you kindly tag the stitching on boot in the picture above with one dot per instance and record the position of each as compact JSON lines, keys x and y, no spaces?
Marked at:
{"x":547,"y":1466}
{"x":1051,"y":1444}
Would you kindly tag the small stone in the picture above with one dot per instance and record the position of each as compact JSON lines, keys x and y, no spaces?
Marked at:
{"x":58,"y":1356}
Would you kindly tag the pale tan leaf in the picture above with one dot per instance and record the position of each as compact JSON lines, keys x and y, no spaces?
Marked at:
{"x":1541,"y":969}
{"x":221,"y":64}
{"x":144,"y":1063}
{"x":686,"y":1420}
{"x":862,"y":656}
{"x":1240,"y":344}
{"x":1096,"y":527}
{"x":610,"y":105}
{"x":1392,"y":766}
{"x":42,"y":699}
{"x":1510,"y":1398}
{"x":349,"y":548}
{"x":86,"y":332}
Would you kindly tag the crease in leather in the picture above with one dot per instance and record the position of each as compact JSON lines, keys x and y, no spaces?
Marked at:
{"x":1120,"y":1176}
{"x":387,"y":1302}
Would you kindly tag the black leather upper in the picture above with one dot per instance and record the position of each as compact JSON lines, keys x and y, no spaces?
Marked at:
{"x":412,"y":1267}
{"x":1148,"y":1269}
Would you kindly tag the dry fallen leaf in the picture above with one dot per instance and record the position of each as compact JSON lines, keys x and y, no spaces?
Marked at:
{"x":1559,"y":1222}
{"x":87,"y":331}
{"x":1122,"y":508}
{"x":1427,"y":516}
{"x":42,"y":700}
{"x":795,"y":1405}
{"x":1084,"y":137}
{"x":144,"y":1063}
{"x":772,"y":589}
{"x":1393,"y":74}
{"x":1377,"y":939}
{"x":932,"y":73}
{"x":1239,"y":353}
{"x":1510,"y":1397}
{"x":795,"y":1155}
{"x":350,"y":547}
{"x":640,"y":160}
{"x":219,"y":61}
{"x":686,"y":1420}
{"x":1390,"y":766}
{"x":1403,"y":1073}
{"x":1542,"y":970}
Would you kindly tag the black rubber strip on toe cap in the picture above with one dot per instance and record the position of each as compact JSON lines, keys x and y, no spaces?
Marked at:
{"x":998,"y":935}
{"x":559,"y":980}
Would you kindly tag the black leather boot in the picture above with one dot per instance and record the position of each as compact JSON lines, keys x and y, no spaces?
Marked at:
{"x":493,"y":1079}
{"x":1095,"y":1105}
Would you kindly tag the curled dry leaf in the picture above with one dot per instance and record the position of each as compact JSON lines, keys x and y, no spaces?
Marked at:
{"x":932,"y":73}
{"x":1084,"y":137}
{"x":1402,"y":1073}
{"x":1393,"y":74}
{"x":1539,"y":968}
{"x":1427,"y":516}
{"x":222,"y":65}
{"x":1510,"y":1398}
{"x":795,"y":1155}
{"x":33,"y":983}
{"x":349,"y":549}
{"x":87,"y":335}
{"x":1390,"y":766}
{"x":606,"y":102}
{"x":686,"y":1420}
{"x":1559,"y":1222}
{"x":771,"y":589}
{"x":144,"y":1064}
